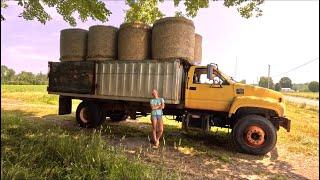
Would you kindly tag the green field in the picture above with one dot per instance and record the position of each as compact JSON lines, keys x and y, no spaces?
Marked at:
{"x":37,"y":143}
{"x":309,"y":95}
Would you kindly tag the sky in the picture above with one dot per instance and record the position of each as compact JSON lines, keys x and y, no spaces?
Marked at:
{"x":285,"y":37}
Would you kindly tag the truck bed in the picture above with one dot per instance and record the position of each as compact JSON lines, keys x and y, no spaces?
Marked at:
{"x":121,"y":80}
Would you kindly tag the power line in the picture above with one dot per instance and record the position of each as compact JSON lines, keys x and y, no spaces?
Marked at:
{"x":297,"y":67}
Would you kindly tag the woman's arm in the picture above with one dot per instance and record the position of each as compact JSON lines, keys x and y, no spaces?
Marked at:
{"x":154,"y":107}
{"x":162,"y":104}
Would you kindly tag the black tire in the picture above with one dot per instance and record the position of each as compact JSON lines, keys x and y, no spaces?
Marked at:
{"x":89,"y":114}
{"x":254,"y":134}
{"x":119,"y":116}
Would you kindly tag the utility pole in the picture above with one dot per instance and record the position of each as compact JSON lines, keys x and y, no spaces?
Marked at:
{"x":268,"y":76}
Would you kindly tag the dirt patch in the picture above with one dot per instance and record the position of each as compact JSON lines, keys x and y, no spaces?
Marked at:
{"x":219,"y":163}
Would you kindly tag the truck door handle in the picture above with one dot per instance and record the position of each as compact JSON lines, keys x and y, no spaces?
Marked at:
{"x":193,"y":88}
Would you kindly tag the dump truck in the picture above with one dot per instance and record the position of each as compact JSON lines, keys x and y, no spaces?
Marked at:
{"x":198,"y":96}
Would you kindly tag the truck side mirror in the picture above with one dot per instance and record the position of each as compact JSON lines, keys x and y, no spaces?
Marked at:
{"x":209,"y":71}
{"x":210,"y":68}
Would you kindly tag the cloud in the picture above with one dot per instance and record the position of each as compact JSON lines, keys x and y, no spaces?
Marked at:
{"x":26,"y":58}
{"x":24,"y":54}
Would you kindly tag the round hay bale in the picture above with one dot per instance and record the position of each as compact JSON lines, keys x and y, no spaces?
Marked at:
{"x":102,"y":43}
{"x":198,"y":49}
{"x":134,"y":41}
{"x":73,"y":44}
{"x":173,"y":37}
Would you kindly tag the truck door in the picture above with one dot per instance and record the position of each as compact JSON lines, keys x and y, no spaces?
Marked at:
{"x":206,"y":94}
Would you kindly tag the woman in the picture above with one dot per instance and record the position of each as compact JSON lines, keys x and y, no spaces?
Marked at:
{"x":157,"y":104}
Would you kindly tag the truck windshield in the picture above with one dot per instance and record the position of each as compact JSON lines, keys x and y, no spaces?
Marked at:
{"x":228,"y":77}
{"x":233,"y":80}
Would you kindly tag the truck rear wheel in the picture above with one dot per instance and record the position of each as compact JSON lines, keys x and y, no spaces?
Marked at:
{"x":254,"y":134}
{"x":88,"y":114}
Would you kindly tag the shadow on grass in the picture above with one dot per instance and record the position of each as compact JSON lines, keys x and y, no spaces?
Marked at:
{"x":214,"y":152}
{"x":34,"y":148}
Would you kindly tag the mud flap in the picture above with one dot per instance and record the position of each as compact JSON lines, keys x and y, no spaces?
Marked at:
{"x":285,"y":123}
{"x":65,"y":105}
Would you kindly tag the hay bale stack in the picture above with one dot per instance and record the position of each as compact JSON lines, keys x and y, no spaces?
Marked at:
{"x":134,"y":41}
{"x":173,"y":37}
{"x":73,"y":44}
{"x":102,"y":43}
{"x":198,"y":49}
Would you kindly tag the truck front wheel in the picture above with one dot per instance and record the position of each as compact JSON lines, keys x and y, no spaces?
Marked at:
{"x":88,"y":114}
{"x":254,"y":134}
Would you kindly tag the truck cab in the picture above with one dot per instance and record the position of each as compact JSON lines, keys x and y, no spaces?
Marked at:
{"x":219,"y":92}
{"x":253,"y":113}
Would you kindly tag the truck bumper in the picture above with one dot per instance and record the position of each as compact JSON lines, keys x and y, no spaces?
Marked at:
{"x":285,"y":123}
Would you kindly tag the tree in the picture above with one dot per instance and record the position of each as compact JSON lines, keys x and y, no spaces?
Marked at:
{"x":34,"y":9}
{"x":3,"y":5}
{"x":303,"y":87}
{"x":25,"y":78}
{"x":263,"y":82}
{"x":41,"y":78}
{"x":145,"y":11}
{"x":277,"y":87}
{"x":285,"y":82}
{"x":7,"y":74}
{"x":246,"y":9}
{"x":178,"y":14}
{"x":140,"y":10}
{"x":8,"y":77}
{"x":314,"y":86}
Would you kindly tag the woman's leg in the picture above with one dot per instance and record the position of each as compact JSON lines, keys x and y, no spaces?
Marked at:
{"x":154,"y":129}
{"x":160,"y":128}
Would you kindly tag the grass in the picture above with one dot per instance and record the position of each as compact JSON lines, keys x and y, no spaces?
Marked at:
{"x":32,"y":148}
{"x":43,"y":150}
{"x":35,"y":94}
{"x":29,"y":93}
{"x":23,"y":88}
{"x":303,"y":106}
{"x":309,"y":95}
{"x":304,"y":135}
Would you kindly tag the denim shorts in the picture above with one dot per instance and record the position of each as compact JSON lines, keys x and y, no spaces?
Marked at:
{"x":156,"y":117}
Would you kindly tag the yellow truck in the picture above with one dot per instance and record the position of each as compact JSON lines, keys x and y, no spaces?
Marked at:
{"x":198,"y":96}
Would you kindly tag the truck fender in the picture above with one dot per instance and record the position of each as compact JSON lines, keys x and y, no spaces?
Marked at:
{"x":252,"y":101}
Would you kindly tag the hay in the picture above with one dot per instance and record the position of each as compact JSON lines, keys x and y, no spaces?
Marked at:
{"x":134,"y":41}
{"x":102,"y":43}
{"x":73,"y":44}
{"x":173,"y":37}
{"x":198,"y":49}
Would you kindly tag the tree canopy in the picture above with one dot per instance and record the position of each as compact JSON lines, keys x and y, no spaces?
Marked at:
{"x":145,"y":11}
{"x":285,"y":82}
{"x":263,"y":82}
{"x":277,"y":87}
{"x":8,"y":76}
{"x":313,"y":86}
{"x":95,"y":9}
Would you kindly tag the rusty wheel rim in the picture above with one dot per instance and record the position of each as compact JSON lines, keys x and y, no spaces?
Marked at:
{"x":254,"y":136}
{"x":84,"y":115}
